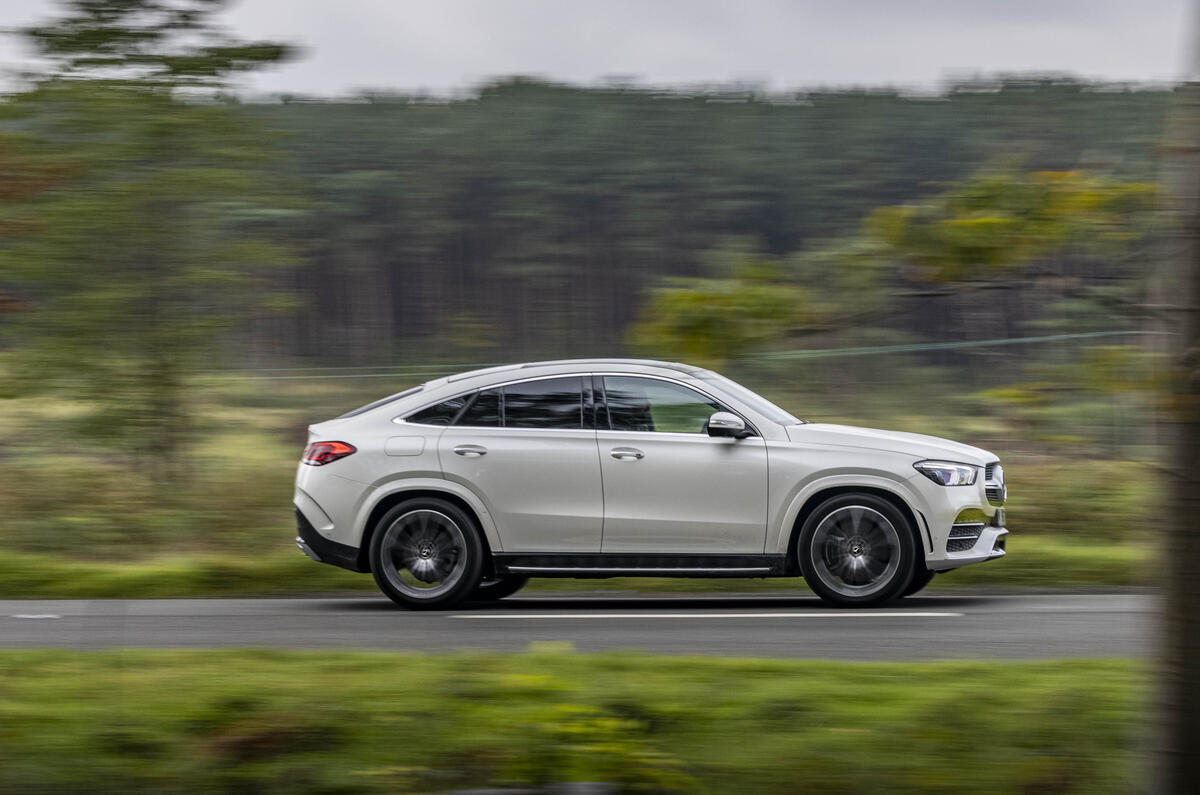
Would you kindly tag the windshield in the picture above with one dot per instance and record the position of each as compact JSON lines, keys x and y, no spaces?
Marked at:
{"x":752,"y":399}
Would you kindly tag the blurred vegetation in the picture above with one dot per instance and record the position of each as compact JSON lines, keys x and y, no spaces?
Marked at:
{"x":146,"y":245}
{"x":709,"y":321}
{"x":1037,"y":562}
{"x":89,"y":524}
{"x":223,"y":720}
{"x":188,"y":278}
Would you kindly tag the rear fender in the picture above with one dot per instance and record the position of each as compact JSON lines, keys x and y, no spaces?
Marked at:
{"x":385,"y":490}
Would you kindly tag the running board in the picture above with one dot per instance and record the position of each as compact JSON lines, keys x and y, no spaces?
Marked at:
{"x":624,"y":565}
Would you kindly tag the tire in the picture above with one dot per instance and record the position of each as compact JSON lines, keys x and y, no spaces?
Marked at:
{"x":921,"y":577}
{"x":493,"y":590}
{"x":426,"y":554}
{"x":857,"y":550}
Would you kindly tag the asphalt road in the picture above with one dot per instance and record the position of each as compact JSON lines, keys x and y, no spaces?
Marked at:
{"x":921,"y":628}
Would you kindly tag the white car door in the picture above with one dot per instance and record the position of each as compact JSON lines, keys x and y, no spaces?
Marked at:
{"x":525,"y":449}
{"x":669,"y":487}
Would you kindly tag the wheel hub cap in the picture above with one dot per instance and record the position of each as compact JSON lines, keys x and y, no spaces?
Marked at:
{"x":857,"y":551}
{"x":423,"y":553}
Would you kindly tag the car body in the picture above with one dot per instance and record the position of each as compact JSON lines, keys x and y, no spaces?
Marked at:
{"x":467,"y":485}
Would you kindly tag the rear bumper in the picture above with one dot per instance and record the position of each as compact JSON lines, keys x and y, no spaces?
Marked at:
{"x":322,"y":550}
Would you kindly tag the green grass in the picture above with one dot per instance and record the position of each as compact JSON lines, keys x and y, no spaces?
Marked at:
{"x":1032,"y":561}
{"x":255,"y":721}
{"x":94,"y":522}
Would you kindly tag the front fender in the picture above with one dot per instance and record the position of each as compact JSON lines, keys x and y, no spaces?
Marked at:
{"x":779,"y":538}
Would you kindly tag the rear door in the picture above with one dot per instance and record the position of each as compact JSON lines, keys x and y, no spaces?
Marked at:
{"x":669,"y":487}
{"x":528,"y":449}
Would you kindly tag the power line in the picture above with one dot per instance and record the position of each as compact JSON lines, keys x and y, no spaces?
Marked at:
{"x":427,"y":371}
{"x":822,"y":353}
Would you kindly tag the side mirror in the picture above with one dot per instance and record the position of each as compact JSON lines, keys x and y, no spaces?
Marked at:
{"x":725,"y":424}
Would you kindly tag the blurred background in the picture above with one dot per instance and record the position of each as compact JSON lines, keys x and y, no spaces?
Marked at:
{"x":220,"y":222}
{"x":196,"y":263}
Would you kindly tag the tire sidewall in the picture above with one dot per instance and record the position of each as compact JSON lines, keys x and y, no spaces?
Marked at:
{"x":499,"y":589}
{"x":907,"y":541}
{"x":921,"y":577}
{"x":473,"y":553}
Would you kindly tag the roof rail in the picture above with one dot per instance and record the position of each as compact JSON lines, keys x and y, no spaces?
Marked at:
{"x":683,"y":368}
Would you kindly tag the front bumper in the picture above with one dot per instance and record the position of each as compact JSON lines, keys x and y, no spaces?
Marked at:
{"x":963,"y":524}
{"x":991,"y":544}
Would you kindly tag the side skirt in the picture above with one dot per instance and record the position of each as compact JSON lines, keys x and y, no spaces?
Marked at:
{"x":600,"y":565}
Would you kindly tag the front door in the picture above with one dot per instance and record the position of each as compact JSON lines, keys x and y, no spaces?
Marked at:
{"x":525,"y":449}
{"x":669,"y":487}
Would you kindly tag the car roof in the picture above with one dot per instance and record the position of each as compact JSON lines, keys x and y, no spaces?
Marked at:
{"x":562,"y":366}
{"x":440,"y":388}
{"x":533,"y":369}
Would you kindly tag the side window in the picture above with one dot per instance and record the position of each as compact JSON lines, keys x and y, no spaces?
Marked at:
{"x":441,"y":414}
{"x":484,"y":411}
{"x":647,"y":404}
{"x":549,"y":403}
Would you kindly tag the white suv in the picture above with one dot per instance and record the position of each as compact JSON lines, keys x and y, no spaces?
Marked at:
{"x":467,"y":486}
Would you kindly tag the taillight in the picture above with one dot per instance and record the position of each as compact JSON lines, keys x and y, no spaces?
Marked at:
{"x":321,"y":453}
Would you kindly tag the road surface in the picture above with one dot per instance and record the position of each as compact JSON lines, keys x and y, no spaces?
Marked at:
{"x":922,"y":628}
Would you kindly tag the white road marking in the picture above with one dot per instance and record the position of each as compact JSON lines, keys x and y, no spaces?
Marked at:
{"x":837,"y":614}
{"x":35,"y":615}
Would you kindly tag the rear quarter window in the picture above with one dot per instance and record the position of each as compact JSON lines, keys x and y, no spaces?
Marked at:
{"x":443,"y":413}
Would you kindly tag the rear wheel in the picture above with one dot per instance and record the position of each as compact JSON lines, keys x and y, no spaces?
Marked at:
{"x":857,"y":550}
{"x":498,"y":588}
{"x":426,"y":554}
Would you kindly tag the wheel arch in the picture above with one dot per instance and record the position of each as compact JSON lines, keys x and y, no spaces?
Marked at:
{"x":813,"y":501}
{"x":396,"y":496}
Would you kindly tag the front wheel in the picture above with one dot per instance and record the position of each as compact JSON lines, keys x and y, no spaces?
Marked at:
{"x":857,"y":550}
{"x":426,"y":554}
{"x":921,"y":577}
{"x":491,"y":590}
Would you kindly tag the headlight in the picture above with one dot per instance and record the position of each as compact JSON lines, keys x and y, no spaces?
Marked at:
{"x":948,"y":473}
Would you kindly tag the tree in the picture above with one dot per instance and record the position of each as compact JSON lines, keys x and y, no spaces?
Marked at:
{"x":995,"y":221}
{"x":977,"y":233}
{"x":709,"y":321}
{"x":546,"y":212}
{"x":1178,"y":748}
{"x":134,"y":268}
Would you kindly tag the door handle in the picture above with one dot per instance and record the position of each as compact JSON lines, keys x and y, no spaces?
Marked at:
{"x":470,"y":450}
{"x":626,"y":453}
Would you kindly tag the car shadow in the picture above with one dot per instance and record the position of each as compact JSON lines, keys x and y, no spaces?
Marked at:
{"x":652,"y":602}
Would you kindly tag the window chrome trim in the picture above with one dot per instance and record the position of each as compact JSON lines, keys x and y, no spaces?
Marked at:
{"x":686,"y":385}
{"x":401,"y":420}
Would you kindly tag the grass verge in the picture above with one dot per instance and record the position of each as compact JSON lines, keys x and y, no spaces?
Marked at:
{"x":1032,"y":561}
{"x":219,"y":720}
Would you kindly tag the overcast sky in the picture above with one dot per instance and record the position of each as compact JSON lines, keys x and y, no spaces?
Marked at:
{"x":444,"y":45}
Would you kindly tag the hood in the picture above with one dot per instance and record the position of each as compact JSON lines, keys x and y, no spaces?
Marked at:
{"x":915,"y":444}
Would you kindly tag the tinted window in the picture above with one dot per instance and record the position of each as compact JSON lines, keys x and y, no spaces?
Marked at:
{"x":549,"y":403}
{"x":484,"y":410}
{"x":646,"y":404}
{"x":441,"y":414}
